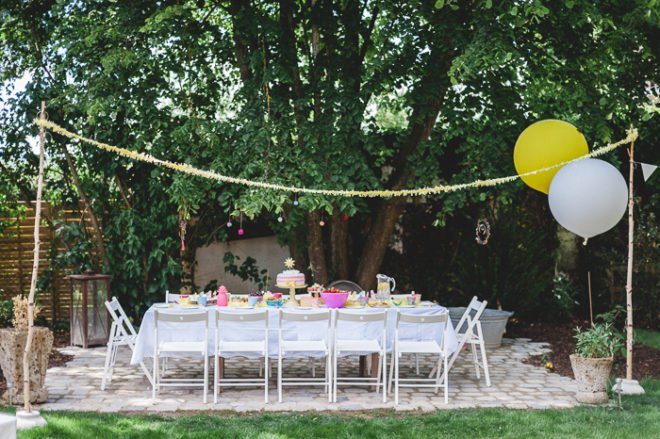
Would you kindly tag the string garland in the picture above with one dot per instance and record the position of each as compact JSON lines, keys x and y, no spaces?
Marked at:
{"x":430,"y":190}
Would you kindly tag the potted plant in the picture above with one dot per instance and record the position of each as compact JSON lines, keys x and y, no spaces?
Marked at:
{"x":12,"y":344}
{"x":592,"y":361}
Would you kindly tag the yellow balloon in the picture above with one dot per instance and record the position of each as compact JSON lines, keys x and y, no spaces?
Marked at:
{"x":546,"y":143}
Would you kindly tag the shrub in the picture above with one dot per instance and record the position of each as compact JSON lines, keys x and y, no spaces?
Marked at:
{"x":6,"y":313}
{"x":599,"y":341}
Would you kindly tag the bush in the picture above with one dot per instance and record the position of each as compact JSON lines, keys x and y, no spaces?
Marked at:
{"x":599,"y":341}
{"x":6,"y":313}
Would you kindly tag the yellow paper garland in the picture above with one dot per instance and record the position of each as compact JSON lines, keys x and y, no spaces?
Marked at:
{"x":148,"y":158}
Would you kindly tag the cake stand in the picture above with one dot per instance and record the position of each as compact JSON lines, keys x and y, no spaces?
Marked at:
{"x":291,"y":303}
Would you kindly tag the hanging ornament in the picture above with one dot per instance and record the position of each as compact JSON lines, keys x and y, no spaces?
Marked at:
{"x":229,"y":224}
{"x":241,"y":232}
{"x":345,"y":217}
{"x":183,"y":223}
{"x":321,"y":223}
{"x":280,"y":219}
{"x":295,"y":200}
{"x":482,"y":232}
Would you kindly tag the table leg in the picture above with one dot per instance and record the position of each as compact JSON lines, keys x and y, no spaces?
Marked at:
{"x":221,"y":369}
{"x":362,"y":369}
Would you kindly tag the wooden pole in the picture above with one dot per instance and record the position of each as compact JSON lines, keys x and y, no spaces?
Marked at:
{"x":35,"y":267}
{"x":629,"y":307}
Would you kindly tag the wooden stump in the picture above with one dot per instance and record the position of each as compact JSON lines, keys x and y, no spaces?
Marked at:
{"x":12,"y":343}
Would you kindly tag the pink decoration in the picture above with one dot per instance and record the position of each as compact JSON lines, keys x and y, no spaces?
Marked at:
{"x":222,"y":300}
{"x":345,"y":217}
{"x":241,"y":232}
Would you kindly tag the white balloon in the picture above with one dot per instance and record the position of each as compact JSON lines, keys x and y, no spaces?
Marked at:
{"x":588,"y":197}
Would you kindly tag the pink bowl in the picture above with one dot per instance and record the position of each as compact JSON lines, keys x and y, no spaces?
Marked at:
{"x":334,"y":300}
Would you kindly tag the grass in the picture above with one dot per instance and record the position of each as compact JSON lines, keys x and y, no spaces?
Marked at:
{"x":648,"y":337}
{"x":640,"y":417}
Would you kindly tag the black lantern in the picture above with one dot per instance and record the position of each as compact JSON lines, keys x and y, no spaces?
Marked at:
{"x":89,"y":319}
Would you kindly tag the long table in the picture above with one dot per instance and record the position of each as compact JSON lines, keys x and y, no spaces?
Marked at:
{"x":144,"y":346}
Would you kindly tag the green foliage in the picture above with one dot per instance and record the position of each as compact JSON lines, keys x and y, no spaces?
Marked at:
{"x":6,"y":313}
{"x":648,"y":337}
{"x":565,"y":294}
{"x":599,"y":341}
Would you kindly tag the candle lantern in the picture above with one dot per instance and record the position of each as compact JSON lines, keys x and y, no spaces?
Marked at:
{"x":89,"y":322}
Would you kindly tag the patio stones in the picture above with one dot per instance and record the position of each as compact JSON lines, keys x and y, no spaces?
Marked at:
{"x":515,"y":385}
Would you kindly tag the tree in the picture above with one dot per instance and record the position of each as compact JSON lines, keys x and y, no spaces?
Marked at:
{"x":316,"y":93}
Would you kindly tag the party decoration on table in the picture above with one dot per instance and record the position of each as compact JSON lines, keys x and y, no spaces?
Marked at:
{"x":291,"y":279}
{"x":191,"y":170}
{"x":482,"y":231}
{"x":334,"y":298}
{"x":648,"y":170}
{"x":588,"y":197}
{"x":222,"y":298}
{"x":546,"y":143}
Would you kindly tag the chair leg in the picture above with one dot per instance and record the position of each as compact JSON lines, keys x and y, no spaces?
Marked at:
{"x":475,"y":359}
{"x":106,"y":368}
{"x":416,"y":364}
{"x":383,"y":377}
{"x":279,"y":377}
{"x":216,"y":377}
{"x":266,"y":370}
{"x":380,"y":369}
{"x":206,"y":378}
{"x":484,"y":361}
{"x":446,"y":379}
{"x":390,"y":381}
{"x":437,"y":376}
{"x":334,"y":377}
{"x":312,"y":365}
{"x":396,"y":378}
{"x":154,"y":385}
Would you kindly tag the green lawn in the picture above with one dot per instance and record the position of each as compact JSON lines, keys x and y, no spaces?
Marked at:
{"x":639,"y":418}
{"x":648,"y":337}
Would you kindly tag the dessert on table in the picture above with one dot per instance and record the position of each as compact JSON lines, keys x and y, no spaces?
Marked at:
{"x":291,"y":279}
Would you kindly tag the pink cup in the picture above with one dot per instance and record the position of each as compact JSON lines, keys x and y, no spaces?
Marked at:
{"x":334,"y":300}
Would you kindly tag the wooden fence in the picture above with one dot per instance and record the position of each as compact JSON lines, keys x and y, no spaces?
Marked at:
{"x":16,"y":251}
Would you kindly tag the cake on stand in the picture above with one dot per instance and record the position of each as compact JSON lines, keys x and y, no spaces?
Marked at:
{"x":292,"y":280}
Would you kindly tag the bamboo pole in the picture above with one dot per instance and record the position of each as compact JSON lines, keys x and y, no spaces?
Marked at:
{"x":35,"y":268}
{"x":629,"y":276}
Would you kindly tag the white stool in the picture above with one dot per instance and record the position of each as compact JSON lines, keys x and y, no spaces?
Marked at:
{"x":7,"y":426}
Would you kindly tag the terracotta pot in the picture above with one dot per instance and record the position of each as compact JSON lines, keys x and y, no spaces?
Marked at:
{"x":12,"y":343}
{"x":591,"y":375}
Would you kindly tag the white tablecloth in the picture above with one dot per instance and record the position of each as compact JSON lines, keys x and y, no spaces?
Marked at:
{"x":291,"y":330}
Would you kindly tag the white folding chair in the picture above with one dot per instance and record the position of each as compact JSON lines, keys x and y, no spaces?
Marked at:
{"x":430,"y":346}
{"x":375,"y":343}
{"x":243,"y":323}
{"x":474,"y":336}
{"x":122,"y":333}
{"x":189,"y":321}
{"x":304,"y":348}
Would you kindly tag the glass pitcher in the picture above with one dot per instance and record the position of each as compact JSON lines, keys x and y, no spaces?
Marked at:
{"x":383,"y":289}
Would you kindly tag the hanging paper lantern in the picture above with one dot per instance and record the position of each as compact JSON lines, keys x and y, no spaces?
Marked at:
{"x":280,"y":219}
{"x":241,"y":232}
{"x":321,"y":223}
{"x":588,"y":197}
{"x":546,"y":143}
{"x":295,"y":202}
{"x":229,"y":224}
{"x":345,"y":217}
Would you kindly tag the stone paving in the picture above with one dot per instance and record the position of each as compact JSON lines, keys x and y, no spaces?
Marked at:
{"x":77,"y":386}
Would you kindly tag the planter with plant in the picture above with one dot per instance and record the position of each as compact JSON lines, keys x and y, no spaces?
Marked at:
{"x":593,"y":360}
{"x":12,"y":345}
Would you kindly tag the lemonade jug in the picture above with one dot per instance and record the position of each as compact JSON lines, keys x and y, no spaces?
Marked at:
{"x":383,"y":289}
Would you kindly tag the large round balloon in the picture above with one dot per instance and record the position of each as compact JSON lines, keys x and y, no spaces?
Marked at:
{"x":588,"y":197}
{"x":546,"y":143}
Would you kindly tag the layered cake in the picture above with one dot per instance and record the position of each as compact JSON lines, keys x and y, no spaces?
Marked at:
{"x":290,"y":277}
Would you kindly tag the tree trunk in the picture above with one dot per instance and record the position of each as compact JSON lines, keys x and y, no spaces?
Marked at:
{"x":98,"y":234}
{"x":339,"y":246}
{"x":35,"y":268}
{"x":316,"y":248}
